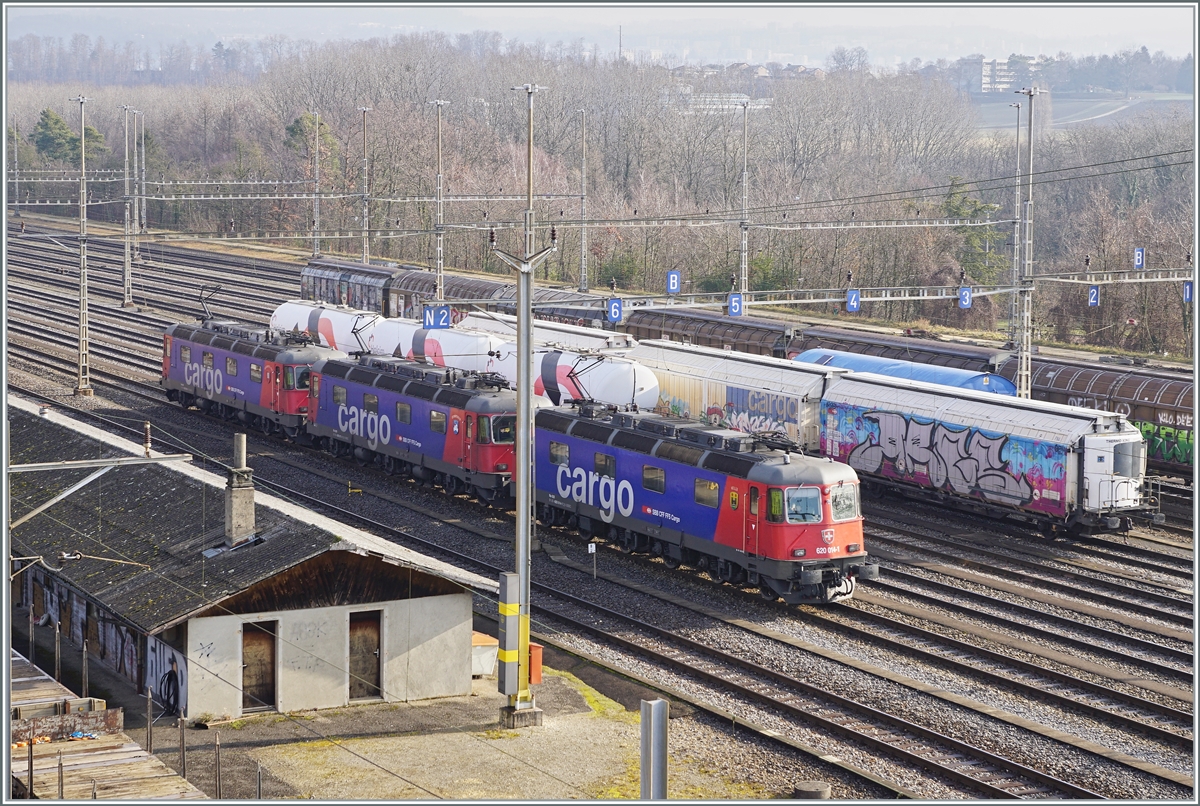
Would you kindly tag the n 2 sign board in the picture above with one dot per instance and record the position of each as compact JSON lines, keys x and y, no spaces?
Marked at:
{"x":1093,"y":296}
{"x":436,"y":317}
{"x":1139,"y":258}
{"x":852,"y":300}
{"x":673,"y":282}
{"x":613,"y":307}
{"x":964,"y":297}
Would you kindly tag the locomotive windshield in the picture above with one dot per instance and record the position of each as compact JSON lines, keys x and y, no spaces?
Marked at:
{"x":804,"y":505}
{"x":504,"y":430}
{"x":302,"y":378}
{"x":843,"y":501}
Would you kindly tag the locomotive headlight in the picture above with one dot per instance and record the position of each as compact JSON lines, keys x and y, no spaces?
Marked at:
{"x":853,"y":547}
{"x":798,"y":552}
{"x":502,"y":466}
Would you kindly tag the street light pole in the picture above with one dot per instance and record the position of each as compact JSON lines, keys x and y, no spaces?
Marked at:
{"x":16,"y":168}
{"x":366,"y":252}
{"x":84,"y":386}
{"x":1025,"y":288}
{"x":743,"y":275}
{"x":127,"y":279}
{"x":583,"y":278}
{"x":1014,"y":312}
{"x":439,"y":281}
{"x":525,"y":266}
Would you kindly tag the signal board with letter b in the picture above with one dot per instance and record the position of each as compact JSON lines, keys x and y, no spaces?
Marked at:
{"x":674,"y":281}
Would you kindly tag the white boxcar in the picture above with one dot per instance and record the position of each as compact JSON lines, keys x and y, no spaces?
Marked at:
{"x":752,"y":393}
{"x":1058,"y":465}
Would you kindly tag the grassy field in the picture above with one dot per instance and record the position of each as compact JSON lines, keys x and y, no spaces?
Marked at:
{"x":996,"y":114}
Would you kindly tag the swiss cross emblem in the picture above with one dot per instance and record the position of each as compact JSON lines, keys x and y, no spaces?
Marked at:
{"x":827,"y":536}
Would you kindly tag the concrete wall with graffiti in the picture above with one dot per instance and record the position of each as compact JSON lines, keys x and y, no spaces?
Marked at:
{"x":963,"y":460}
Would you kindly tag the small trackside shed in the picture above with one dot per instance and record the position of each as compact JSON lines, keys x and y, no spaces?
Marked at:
{"x":249,"y":603}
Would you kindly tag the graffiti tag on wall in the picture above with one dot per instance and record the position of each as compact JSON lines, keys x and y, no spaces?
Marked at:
{"x":963,"y":460}
{"x":1167,"y":443}
{"x":748,"y":410}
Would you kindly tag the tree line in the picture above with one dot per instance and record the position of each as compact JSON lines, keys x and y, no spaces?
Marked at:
{"x":856,"y":146}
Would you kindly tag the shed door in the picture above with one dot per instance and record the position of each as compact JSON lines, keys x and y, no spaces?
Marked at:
{"x":39,"y":600}
{"x":93,"y":629}
{"x":258,"y":666}
{"x":66,"y":609}
{"x":364,"y":655}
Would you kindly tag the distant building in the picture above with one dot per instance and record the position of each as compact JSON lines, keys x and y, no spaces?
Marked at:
{"x":980,"y":76}
{"x":250,"y":603}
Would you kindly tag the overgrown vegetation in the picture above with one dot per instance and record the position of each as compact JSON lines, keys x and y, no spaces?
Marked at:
{"x":851,"y":146}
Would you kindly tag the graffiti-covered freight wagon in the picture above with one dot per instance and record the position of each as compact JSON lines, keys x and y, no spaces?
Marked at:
{"x":1058,"y":466}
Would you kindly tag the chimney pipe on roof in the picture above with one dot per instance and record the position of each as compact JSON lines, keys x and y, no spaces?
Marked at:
{"x":239,"y":497}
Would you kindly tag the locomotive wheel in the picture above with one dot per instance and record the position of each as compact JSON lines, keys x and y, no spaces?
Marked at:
{"x":389,"y":465}
{"x":266,"y":426}
{"x":626,"y":541}
{"x":670,"y":561}
{"x":455,"y":485}
{"x":766,"y":591}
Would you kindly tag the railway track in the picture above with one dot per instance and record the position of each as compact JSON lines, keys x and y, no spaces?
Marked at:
{"x":1160,"y":721}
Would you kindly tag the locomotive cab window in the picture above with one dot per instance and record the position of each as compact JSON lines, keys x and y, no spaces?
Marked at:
{"x":504,"y":430}
{"x":708,"y":493}
{"x":256,"y":373}
{"x":207,"y":359}
{"x":654,"y":479}
{"x":753,"y":500}
{"x":404,"y":413}
{"x":803,"y":505}
{"x":185,"y":354}
{"x":339,"y":395}
{"x":370,"y":403}
{"x":606,"y":465}
{"x":289,"y":378}
{"x":560,"y":454}
{"x":302,"y":378}
{"x":231,"y":367}
{"x":437,"y":422}
{"x":843,"y":502}
{"x":314,"y":390}
{"x":485,"y":431}
{"x":775,"y":505}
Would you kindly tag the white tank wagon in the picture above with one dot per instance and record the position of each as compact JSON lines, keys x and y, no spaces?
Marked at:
{"x":745,"y":392}
{"x":560,"y":374}
{"x":1058,"y":466}
{"x":556,"y":333}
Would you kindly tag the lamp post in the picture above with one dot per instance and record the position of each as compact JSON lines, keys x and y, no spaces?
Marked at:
{"x":525,"y":266}
{"x":127,"y":273}
{"x":366,"y":253}
{"x":1014,"y":312}
{"x":583,"y":278}
{"x":1025,"y":290}
{"x":83,"y":386}
{"x":439,"y":281}
{"x":16,"y":169}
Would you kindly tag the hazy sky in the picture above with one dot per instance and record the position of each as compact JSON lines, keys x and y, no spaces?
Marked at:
{"x":693,"y":31}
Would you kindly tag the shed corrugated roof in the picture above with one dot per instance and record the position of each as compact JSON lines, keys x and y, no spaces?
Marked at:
{"x":165,"y":516}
